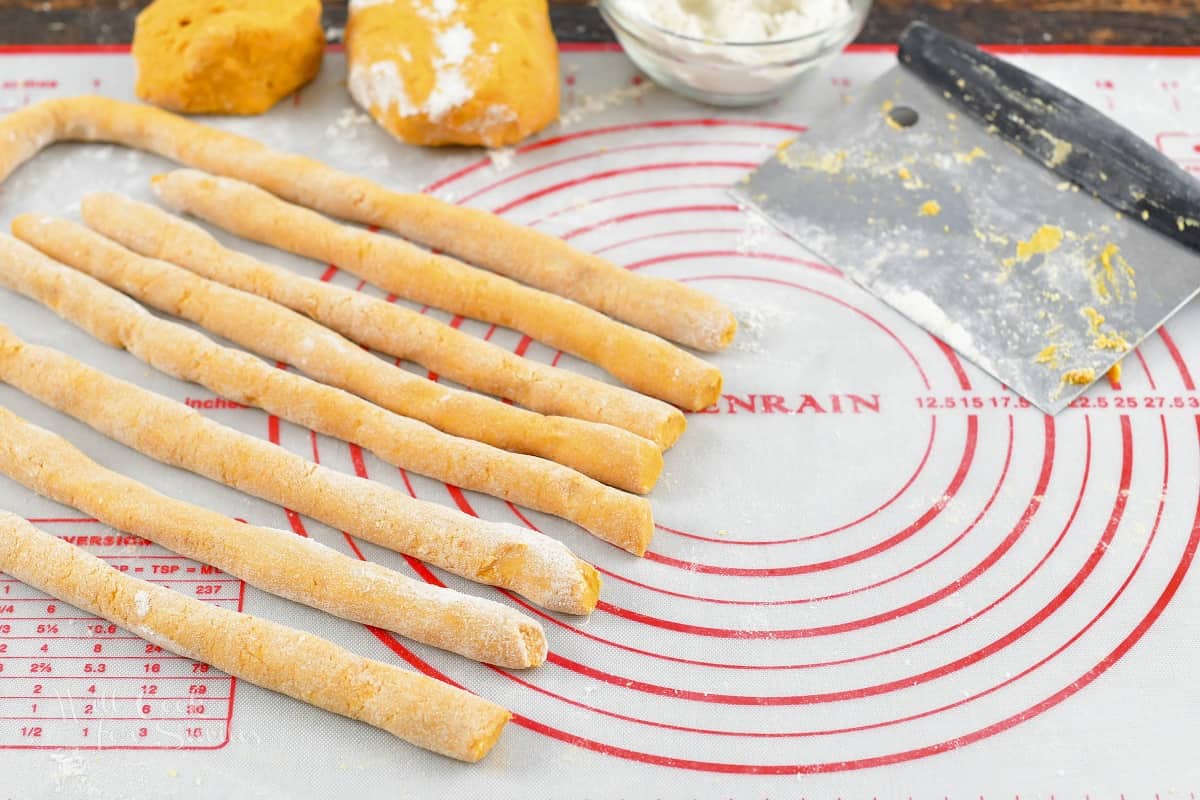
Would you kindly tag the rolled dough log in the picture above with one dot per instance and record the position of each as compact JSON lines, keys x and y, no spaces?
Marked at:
{"x":275,"y":561}
{"x":420,"y":710}
{"x":612,"y":455}
{"x":667,"y":308}
{"x":112,"y":318}
{"x":519,"y":559}
{"x":638,"y":359}
{"x":387,"y":327}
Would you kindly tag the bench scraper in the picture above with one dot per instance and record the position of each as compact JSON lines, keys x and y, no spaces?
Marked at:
{"x":1028,"y":231}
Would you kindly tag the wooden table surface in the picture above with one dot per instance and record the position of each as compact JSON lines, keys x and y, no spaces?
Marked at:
{"x":1101,"y":22}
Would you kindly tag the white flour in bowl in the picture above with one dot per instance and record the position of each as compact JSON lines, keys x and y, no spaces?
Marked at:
{"x":733,"y":52}
{"x":745,"y":20}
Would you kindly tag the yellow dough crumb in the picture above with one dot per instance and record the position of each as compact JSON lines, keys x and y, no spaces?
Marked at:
{"x":1114,"y":372}
{"x":974,"y":153}
{"x":1102,"y":340}
{"x":1079,"y":377}
{"x":1107,"y":271}
{"x":829,"y":163}
{"x":1045,"y":240}
{"x":226,"y":56}
{"x":1110,"y":341}
{"x":438,"y":72}
{"x":1048,"y":355}
{"x":930,"y":208}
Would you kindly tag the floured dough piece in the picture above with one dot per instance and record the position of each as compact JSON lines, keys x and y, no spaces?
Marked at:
{"x":275,"y":561}
{"x":228,"y":57}
{"x":454,"y":71}
{"x":511,"y":557}
{"x":421,"y":710}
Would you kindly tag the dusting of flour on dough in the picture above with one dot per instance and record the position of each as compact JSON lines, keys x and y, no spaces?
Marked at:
{"x":380,"y":85}
{"x":438,"y":10}
{"x":141,"y":603}
{"x":450,"y":88}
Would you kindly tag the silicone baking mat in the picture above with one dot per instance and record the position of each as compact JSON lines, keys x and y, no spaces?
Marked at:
{"x":877,"y":573}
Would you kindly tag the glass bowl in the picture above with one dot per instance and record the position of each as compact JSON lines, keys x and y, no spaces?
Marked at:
{"x":727,"y":73}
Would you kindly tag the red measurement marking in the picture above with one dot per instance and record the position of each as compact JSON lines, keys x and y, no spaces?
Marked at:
{"x":1182,"y":147}
{"x":1107,"y":87}
{"x":1184,"y":373}
{"x":77,"y":677}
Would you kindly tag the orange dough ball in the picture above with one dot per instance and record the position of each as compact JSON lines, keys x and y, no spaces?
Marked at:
{"x":226,"y":56}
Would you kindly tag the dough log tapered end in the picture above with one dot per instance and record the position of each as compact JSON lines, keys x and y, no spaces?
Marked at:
{"x":589,"y":591}
{"x":629,"y":527}
{"x":627,"y":461}
{"x":725,"y":334}
{"x":486,"y":737}
{"x":545,"y":571}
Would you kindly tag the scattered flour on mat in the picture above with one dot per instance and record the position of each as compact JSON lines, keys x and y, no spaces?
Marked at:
{"x":501,"y":158}
{"x":348,"y":124}
{"x":69,"y":766}
{"x":752,"y":325}
{"x":101,"y":153}
{"x":590,"y":104}
{"x":756,"y":232}
{"x":71,"y":778}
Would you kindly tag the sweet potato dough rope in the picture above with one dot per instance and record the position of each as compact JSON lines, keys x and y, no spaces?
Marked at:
{"x":383,"y":326}
{"x":113,"y":318}
{"x":609,"y":454}
{"x":667,"y":308}
{"x":640,"y":360}
{"x":420,"y":710}
{"x":515,"y":558}
{"x":275,"y":561}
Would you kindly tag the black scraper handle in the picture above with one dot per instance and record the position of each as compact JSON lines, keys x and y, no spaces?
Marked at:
{"x":1060,"y":131}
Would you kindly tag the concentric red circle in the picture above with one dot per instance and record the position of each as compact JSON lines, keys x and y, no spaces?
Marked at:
{"x":994,"y":586}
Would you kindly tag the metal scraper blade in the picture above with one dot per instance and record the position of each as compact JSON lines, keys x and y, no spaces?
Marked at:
{"x":1036,"y":282}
